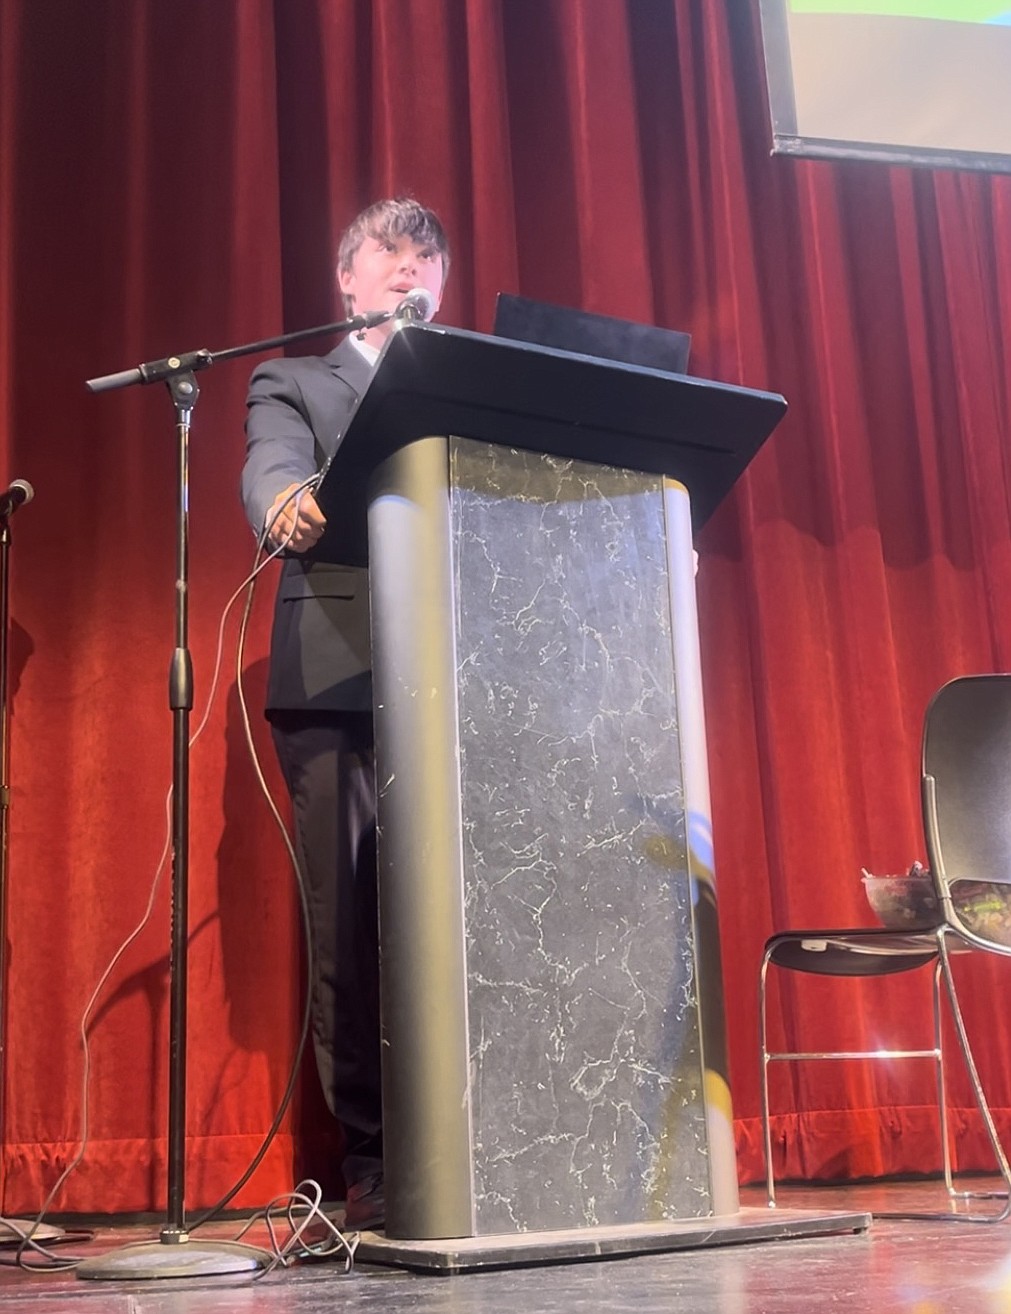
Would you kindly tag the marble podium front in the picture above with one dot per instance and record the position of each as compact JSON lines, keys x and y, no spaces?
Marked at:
{"x":551,"y":1002}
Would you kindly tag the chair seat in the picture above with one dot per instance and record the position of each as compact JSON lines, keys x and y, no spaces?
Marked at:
{"x":858,"y":951}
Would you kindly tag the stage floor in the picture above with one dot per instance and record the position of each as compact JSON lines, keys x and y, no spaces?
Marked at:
{"x":920,"y":1267}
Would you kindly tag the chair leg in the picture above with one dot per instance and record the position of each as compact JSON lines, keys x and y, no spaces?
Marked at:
{"x":942,"y":971}
{"x":942,"y":1104}
{"x":770,"y":1185}
{"x":942,"y":1093}
{"x":977,"y":1087}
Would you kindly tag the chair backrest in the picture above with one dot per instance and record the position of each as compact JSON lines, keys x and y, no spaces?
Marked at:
{"x":967,"y":754}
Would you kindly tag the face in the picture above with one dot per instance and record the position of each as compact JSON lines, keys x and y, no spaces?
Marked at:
{"x":385,"y":269}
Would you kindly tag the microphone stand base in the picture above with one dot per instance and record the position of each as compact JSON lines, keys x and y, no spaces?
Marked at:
{"x":176,"y":1259}
{"x":14,"y":1230}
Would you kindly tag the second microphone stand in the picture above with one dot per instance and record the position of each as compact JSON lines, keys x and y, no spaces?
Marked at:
{"x":12,"y":1230}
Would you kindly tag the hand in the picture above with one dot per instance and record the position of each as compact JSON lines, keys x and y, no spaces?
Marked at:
{"x":300,"y":523}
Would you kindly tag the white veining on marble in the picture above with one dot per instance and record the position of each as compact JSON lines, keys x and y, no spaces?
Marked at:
{"x":584,"y":1048}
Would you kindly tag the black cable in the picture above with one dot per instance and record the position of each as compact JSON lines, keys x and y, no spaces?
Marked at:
{"x":307,"y":919}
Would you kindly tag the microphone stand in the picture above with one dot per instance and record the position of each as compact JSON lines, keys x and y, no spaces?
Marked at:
{"x":12,"y":1230}
{"x":175,"y":1254}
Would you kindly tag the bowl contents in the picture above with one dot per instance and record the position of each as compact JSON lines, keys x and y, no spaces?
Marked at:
{"x":985,"y":908}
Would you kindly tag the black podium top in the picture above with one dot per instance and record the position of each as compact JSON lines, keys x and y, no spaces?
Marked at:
{"x":435,"y":380}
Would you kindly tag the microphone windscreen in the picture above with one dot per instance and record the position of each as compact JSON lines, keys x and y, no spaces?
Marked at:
{"x":420,"y":301}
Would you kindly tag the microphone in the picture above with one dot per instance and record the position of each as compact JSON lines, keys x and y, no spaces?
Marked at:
{"x":418,"y":304}
{"x":17,"y":495}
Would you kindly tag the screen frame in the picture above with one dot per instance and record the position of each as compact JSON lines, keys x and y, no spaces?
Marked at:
{"x":788,"y":140}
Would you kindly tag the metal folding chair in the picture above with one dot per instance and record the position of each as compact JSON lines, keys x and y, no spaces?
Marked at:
{"x":966,"y":799}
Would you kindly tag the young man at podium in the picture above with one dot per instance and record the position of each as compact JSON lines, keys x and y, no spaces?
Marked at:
{"x":319,"y":693}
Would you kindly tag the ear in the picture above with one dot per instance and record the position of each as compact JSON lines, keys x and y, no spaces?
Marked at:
{"x":346,"y":281}
{"x":438,"y":292}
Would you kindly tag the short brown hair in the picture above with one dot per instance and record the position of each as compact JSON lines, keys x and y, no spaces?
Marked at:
{"x":398,"y":216}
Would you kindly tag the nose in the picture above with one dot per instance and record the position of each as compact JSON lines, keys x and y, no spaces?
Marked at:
{"x":408,"y":261}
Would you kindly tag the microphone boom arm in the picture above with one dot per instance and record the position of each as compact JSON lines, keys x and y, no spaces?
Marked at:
{"x":186,"y":362}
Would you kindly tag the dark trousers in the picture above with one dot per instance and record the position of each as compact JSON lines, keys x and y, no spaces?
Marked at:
{"x":328,"y":761}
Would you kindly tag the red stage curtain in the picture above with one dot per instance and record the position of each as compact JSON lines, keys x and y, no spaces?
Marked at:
{"x":175,"y":176}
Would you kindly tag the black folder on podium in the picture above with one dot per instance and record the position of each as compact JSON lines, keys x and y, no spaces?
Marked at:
{"x":431,"y":379}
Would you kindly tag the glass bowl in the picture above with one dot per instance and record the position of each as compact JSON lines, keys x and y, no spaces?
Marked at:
{"x":903,"y":903}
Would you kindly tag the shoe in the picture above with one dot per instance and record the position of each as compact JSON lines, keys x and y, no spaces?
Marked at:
{"x":366,"y":1205}
{"x":318,"y":1239}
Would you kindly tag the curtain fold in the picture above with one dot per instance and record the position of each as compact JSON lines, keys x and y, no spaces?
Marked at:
{"x":177,"y":176}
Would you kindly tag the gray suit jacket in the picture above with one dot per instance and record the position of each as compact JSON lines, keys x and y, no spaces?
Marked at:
{"x":319,"y":651}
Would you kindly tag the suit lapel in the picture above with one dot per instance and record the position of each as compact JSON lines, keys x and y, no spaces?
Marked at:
{"x":350,"y":366}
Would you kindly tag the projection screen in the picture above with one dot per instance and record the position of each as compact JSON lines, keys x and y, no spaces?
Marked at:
{"x":908,"y":81}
